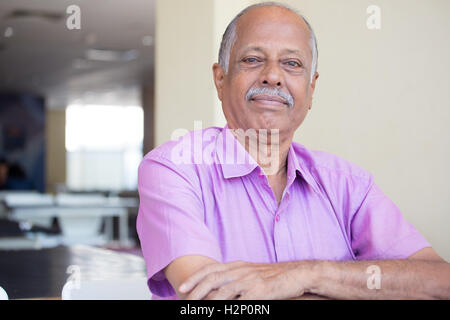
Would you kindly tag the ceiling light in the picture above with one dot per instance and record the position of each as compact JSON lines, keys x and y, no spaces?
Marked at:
{"x":147,"y":41}
{"x":81,"y":64}
{"x":9,"y":32}
{"x":111,"y":55}
{"x":30,"y":13}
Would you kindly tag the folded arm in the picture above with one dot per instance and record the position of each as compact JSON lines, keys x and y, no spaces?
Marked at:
{"x":183,"y":267}
{"x":423,"y":276}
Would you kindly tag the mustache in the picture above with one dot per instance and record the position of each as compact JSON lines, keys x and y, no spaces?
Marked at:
{"x":272,"y":92}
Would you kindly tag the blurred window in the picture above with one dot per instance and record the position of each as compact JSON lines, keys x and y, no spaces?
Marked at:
{"x":104,"y":146}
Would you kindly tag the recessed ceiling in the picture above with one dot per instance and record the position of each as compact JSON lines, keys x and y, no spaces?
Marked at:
{"x":106,"y":61}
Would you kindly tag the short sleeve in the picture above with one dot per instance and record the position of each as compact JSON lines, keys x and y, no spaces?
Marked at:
{"x":379,"y":231}
{"x":170,"y":221}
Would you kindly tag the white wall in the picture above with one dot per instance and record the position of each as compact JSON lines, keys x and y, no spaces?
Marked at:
{"x":382,"y":100}
{"x":183,"y":60}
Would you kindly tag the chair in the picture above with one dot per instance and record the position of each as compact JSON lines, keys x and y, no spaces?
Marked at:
{"x":80,"y":218}
{"x":3,"y":294}
{"x":18,"y":238}
{"x":27,"y":200}
{"x":116,"y":289}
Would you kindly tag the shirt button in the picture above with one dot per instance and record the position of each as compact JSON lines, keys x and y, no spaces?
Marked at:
{"x":277,"y":217}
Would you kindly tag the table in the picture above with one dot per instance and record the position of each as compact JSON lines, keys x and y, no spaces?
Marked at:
{"x":26,"y":274}
{"x":108,"y":207}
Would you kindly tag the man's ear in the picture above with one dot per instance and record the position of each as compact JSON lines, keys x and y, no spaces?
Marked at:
{"x":219,"y":75}
{"x":312,"y":88}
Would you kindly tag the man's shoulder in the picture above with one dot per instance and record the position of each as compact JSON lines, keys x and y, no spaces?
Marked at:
{"x":319,"y":162}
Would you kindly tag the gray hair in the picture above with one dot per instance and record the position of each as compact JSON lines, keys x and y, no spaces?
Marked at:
{"x":229,"y":37}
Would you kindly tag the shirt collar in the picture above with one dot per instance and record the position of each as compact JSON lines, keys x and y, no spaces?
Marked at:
{"x":296,"y":166}
{"x":233,"y":158}
{"x":237,"y":162}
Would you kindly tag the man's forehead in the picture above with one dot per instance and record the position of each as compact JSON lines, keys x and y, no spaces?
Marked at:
{"x":278,"y":23}
{"x":270,"y":16}
{"x":263,"y":20}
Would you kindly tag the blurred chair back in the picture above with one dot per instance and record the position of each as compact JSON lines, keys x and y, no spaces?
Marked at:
{"x":18,"y":199}
{"x":73,"y":199}
{"x":24,"y":199}
{"x":3,"y":294}
{"x":117,"y":289}
{"x":82,"y":224}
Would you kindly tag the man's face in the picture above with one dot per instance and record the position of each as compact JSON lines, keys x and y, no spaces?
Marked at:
{"x":271,"y":51}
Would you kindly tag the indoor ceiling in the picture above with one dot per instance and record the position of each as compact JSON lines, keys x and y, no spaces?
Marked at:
{"x":106,"y":61}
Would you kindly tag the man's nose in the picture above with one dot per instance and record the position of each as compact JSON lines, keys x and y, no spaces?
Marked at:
{"x":271,"y":75}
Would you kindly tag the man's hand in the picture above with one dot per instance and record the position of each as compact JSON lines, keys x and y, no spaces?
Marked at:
{"x":244,"y":280}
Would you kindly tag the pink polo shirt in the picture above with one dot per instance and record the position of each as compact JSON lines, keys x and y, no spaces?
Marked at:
{"x":196,"y":199}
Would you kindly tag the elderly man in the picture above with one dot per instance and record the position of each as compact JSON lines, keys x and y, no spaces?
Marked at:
{"x":287,"y":223}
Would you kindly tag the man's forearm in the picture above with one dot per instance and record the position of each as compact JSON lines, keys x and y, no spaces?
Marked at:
{"x":398,"y":279}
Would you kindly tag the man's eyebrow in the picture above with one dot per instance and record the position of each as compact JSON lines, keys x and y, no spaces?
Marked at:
{"x":294,"y":51}
{"x":252,"y":48}
{"x":285,"y":51}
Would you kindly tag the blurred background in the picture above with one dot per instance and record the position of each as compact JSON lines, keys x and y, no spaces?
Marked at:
{"x":75,"y":82}
{"x":89,"y":87}
{"x":76,"y":92}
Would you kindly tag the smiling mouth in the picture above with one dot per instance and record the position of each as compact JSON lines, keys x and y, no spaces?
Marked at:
{"x":269,"y":99}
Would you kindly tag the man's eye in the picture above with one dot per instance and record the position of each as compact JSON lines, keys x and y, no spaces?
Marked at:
{"x":250,"y":60}
{"x":293,"y":63}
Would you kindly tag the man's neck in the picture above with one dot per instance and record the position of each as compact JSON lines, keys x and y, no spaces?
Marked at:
{"x":269,"y":148}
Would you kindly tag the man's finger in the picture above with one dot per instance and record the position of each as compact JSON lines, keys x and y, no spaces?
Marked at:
{"x":193,"y":280}
{"x":230,"y":291}
{"x":211,"y":282}
{"x":222,"y":285}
